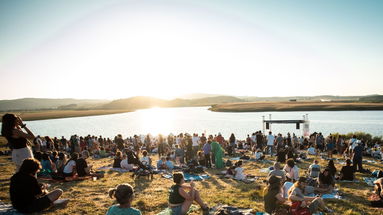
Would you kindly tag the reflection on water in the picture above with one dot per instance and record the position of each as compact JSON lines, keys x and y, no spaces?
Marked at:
{"x":199,"y":119}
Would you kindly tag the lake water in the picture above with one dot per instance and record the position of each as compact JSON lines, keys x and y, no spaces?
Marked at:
{"x":200,"y":119}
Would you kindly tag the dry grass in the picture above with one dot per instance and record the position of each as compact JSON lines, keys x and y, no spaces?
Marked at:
{"x":55,"y":114}
{"x":90,"y":197}
{"x":295,"y":106}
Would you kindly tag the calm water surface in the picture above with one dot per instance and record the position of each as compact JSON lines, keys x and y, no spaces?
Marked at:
{"x":200,"y":119}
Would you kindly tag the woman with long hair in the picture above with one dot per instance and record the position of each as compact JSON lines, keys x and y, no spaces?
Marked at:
{"x":273,"y":198}
{"x":17,"y":135}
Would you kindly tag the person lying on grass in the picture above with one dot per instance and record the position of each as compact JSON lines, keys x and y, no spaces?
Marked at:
{"x":27,"y":195}
{"x":314,"y":204}
{"x":123,"y":194}
{"x":181,"y":196}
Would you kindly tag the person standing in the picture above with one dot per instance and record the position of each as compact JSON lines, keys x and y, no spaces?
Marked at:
{"x":12,"y":130}
{"x":357,"y":157}
{"x":218,"y":153}
{"x":270,"y":143}
{"x":206,"y":151}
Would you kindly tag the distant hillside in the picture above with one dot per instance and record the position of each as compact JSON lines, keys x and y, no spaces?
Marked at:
{"x":372,"y":98}
{"x":301,"y":98}
{"x":38,"y":104}
{"x":141,"y":102}
{"x":198,"y":96}
{"x":134,"y":103}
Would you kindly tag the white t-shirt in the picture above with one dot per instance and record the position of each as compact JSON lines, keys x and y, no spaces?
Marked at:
{"x":125,"y":165}
{"x":195,"y":140}
{"x":258,"y":155}
{"x":270,"y":140}
{"x":239,"y":173}
{"x":292,"y":173}
{"x":69,"y":167}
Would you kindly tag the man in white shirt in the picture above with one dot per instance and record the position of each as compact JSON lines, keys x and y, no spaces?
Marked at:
{"x":270,"y":143}
{"x":195,"y":144}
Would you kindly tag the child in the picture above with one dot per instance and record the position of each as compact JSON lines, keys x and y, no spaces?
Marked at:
{"x":145,"y":160}
{"x":124,"y":196}
{"x":161,"y":164}
{"x":169,"y":164}
{"x":239,"y":175}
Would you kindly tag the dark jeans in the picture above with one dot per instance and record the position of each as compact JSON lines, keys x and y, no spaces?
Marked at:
{"x":207,"y":160}
{"x":357,"y":162}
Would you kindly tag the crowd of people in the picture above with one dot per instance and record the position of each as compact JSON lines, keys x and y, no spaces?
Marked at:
{"x":61,"y":158}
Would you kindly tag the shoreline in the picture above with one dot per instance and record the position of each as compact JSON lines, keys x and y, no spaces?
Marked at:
{"x":61,"y":114}
{"x":295,"y":106}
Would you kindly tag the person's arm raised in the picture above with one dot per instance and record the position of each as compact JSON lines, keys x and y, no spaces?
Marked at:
{"x":188,"y":196}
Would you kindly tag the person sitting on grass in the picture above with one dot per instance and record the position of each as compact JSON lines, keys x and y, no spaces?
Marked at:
{"x":292,"y":171}
{"x":259,"y":155}
{"x":201,"y":158}
{"x":296,"y":196}
{"x":239,"y":175}
{"x":161,"y":163}
{"x":123,"y":193}
{"x":82,"y":167}
{"x":326,"y":181}
{"x":27,"y":195}
{"x":117,"y":160}
{"x":70,"y":166}
{"x":273,"y":198}
{"x":347,"y":172}
{"x":48,"y":166}
{"x":181,"y":196}
{"x":60,"y":163}
{"x":169,"y":164}
{"x":145,"y":160}
{"x":314,"y":169}
{"x":278,"y":172}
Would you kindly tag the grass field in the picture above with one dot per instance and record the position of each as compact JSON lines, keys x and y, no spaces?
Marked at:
{"x":90,"y":197}
{"x":56,"y":114}
{"x":295,"y":106}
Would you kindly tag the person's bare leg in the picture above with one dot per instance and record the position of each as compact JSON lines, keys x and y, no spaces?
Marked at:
{"x":55,"y":194}
{"x":186,"y":205}
{"x":199,"y":200}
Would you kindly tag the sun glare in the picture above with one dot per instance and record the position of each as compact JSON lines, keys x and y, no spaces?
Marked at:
{"x":156,"y":120}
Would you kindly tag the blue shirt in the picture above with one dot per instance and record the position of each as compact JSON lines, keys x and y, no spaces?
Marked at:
{"x":169,"y":164}
{"x":116,"y":210}
{"x":206,"y":148}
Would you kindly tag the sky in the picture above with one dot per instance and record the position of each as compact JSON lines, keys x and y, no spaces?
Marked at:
{"x":117,"y":49}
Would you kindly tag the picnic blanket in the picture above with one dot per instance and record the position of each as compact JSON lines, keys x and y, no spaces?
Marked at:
{"x":189,"y":177}
{"x":369,"y":181}
{"x":168,"y":211}
{"x":120,"y":170}
{"x":266,"y":170}
{"x":7,"y":209}
{"x":232,"y":210}
{"x":333,"y":195}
